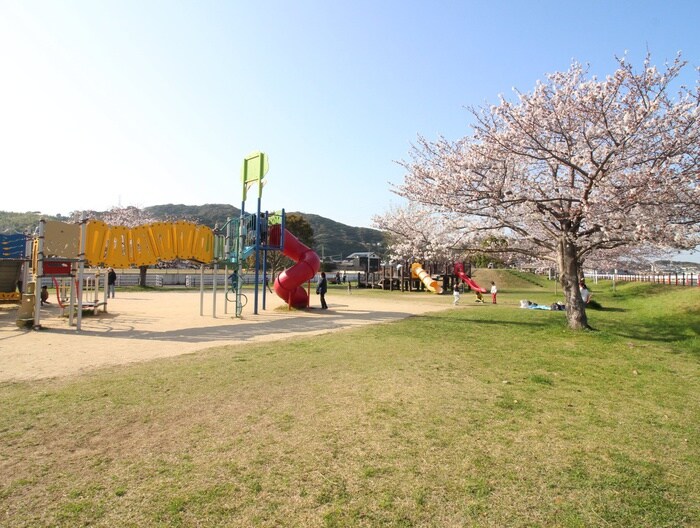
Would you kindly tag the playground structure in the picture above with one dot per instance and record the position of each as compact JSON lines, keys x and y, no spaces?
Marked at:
{"x":264,"y":232}
{"x":459,"y":271}
{"x":64,"y":252}
{"x":61,"y":252}
{"x":433,"y":276}
{"x":67,"y":288}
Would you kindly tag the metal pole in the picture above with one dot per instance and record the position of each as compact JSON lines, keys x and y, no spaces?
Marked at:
{"x":72,"y":303}
{"x":257,"y":258}
{"x":104,"y":289}
{"x":81,"y":271}
{"x":239,"y":255}
{"x":201,"y":289}
{"x":225,"y":288}
{"x":213,"y":289}
{"x":264,"y":269}
{"x":38,"y":275}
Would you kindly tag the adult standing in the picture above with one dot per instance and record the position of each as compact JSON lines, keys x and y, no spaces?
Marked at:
{"x":111,"y":282}
{"x":322,"y":289}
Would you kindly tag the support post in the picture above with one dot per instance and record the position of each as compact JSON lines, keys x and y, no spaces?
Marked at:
{"x":201,"y":289}
{"x":213,"y":289}
{"x":81,"y":271}
{"x":38,"y":274}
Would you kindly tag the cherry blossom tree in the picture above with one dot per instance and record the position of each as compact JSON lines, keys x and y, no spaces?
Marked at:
{"x":417,"y":232}
{"x":574,"y":168}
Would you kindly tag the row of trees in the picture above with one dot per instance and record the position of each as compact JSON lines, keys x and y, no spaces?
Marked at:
{"x":579,"y":168}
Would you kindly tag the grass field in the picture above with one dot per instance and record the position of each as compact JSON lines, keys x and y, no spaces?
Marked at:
{"x":475,"y":416}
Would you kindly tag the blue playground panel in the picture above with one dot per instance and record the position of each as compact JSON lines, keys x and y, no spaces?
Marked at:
{"x":13,"y":246}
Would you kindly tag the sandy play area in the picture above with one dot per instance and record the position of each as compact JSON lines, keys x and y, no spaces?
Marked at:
{"x":140,"y":326}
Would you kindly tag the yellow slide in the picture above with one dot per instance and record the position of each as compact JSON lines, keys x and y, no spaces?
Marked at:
{"x":417,"y":272}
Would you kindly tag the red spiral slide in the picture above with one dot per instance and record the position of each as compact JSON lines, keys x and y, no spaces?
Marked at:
{"x":288,"y":284}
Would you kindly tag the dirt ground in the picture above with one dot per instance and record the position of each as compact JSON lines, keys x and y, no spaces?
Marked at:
{"x":140,"y":326}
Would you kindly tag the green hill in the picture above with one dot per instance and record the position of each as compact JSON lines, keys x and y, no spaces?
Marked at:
{"x":336,"y":239}
{"x":207,"y":214}
{"x":11,"y":223}
{"x":509,"y":280}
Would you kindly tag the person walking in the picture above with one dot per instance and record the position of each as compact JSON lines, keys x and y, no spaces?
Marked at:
{"x":494,"y":291}
{"x":455,"y":292}
{"x":322,"y":289}
{"x":111,"y":282}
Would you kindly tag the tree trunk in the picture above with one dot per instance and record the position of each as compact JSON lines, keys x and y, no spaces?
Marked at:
{"x":142,"y":276}
{"x":569,"y":275}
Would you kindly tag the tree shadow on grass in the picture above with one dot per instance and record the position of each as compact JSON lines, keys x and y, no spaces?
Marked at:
{"x":606,"y":309}
{"x":541,"y":322}
{"x":677,"y":331}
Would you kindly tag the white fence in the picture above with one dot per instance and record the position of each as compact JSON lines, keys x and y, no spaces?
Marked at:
{"x":193,"y":281}
{"x":674,"y":279}
{"x":132,"y":279}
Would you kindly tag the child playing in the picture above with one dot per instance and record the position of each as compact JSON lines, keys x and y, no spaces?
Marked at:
{"x":455,"y":292}
{"x":44,"y":295}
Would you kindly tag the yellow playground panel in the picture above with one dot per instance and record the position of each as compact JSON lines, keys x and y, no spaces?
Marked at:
{"x":122,"y":247}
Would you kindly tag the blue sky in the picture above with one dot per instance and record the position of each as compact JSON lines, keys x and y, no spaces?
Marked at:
{"x":106,"y":103}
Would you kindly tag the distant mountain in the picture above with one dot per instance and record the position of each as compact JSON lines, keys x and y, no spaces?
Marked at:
{"x":208,"y":214}
{"x":332,"y":239}
{"x":11,"y":223}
